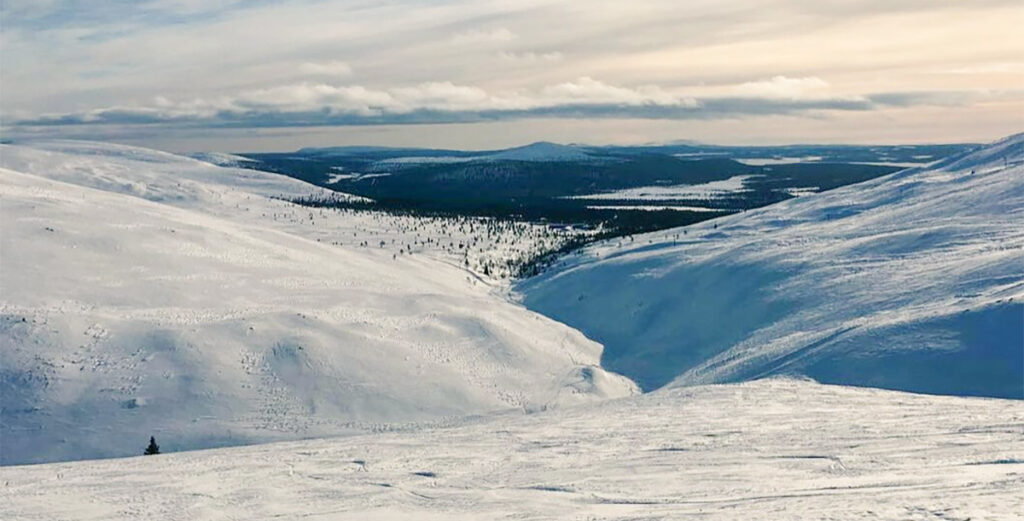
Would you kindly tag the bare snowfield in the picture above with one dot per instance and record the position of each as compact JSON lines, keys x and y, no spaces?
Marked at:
{"x":146,"y":293}
{"x":709,"y":190}
{"x":770,"y":449}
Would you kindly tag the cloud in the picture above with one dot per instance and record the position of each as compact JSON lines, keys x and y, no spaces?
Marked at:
{"x":321,"y":104}
{"x":587,"y":90}
{"x":290,"y":62}
{"x":329,"y":68}
{"x":530,"y":56}
{"x":782,"y":87}
{"x":483,"y":36}
{"x":986,"y":68}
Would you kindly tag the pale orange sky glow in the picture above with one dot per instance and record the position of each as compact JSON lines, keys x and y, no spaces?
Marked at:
{"x":242,"y":75}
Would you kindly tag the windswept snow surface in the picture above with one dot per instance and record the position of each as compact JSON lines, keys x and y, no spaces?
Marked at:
{"x":780,"y":450}
{"x":913,"y":281}
{"x":143,"y":293}
{"x":221,"y":158}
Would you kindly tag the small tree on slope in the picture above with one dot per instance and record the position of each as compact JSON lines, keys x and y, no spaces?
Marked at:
{"x":153,"y":448}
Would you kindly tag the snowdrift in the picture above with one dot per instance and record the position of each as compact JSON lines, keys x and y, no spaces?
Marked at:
{"x":912,"y":281}
{"x":144,"y":293}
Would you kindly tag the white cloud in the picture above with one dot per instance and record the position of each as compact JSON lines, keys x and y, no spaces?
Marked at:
{"x":530,"y":56}
{"x":304,"y":97}
{"x":587,"y":90}
{"x":987,"y":68}
{"x":329,"y":68}
{"x":484,"y":36}
{"x":782,"y":87}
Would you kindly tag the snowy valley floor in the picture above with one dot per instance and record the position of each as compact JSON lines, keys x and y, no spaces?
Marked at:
{"x":771,"y":449}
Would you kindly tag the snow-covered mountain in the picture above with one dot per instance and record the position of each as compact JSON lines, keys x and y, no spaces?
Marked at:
{"x":759,"y":450}
{"x":913,"y":281}
{"x":143,"y":293}
{"x":540,"y":151}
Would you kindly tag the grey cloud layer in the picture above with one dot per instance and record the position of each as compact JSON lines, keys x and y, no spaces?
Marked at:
{"x":309,"y":104}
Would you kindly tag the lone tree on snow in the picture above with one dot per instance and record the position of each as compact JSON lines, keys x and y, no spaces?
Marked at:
{"x":153,"y":448}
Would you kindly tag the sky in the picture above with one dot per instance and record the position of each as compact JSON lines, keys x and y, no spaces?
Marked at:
{"x":259,"y":75}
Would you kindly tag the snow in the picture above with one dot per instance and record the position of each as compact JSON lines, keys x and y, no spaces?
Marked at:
{"x":222,"y":158}
{"x":337,"y":178}
{"x":657,"y":208}
{"x":144,"y":293}
{"x":884,"y":161}
{"x":771,"y":449}
{"x":769,"y":161}
{"x":363,"y":177}
{"x":708,"y":190}
{"x":912,"y":281}
{"x":541,"y":151}
{"x":802,"y":191}
{"x":417,"y":160}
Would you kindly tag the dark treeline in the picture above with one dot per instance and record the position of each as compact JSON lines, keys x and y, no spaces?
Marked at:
{"x":577,"y":224}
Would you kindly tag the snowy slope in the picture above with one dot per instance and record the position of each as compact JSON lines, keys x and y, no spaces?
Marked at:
{"x":758,"y":450}
{"x":221,"y":158}
{"x":145,"y":293}
{"x":913,"y":281}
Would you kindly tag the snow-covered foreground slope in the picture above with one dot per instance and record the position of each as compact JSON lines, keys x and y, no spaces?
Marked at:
{"x":913,"y":281}
{"x":143,"y":294}
{"x":758,"y":450}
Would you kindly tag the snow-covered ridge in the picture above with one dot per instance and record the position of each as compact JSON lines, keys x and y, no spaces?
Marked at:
{"x":222,"y":158}
{"x":541,"y":151}
{"x":912,"y":281}
{"x":143,"y":293}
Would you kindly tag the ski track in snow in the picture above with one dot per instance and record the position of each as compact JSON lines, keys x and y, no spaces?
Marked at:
{"x":771,"y":449}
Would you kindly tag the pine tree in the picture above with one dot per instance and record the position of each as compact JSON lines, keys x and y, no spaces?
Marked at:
{"x":153,"y":448}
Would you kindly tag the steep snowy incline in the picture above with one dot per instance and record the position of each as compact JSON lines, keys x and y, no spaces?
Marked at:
{"x":147,"y":294}
{"x":759,"y":450}
{"x":912,"y":281}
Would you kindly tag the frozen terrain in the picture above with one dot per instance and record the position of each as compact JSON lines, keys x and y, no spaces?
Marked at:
{"x":143,"y":293}
{"x":912,"y":281}
{"x":708,"y":190}
{"x":771,"y":449}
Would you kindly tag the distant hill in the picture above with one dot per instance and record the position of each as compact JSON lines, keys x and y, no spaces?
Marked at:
{"x":541,"y":151}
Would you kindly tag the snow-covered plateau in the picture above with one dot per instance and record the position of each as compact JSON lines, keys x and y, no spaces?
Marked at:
{"x":913,"y":281}
{"x":771,"y":449}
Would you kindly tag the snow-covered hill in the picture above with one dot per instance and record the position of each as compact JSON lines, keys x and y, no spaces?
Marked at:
{"x":540,"y":151}
{"x":761,"y":450}
{"x":913,"y":281}
{"x":222,"y":158}
{"x":143,"y":293}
